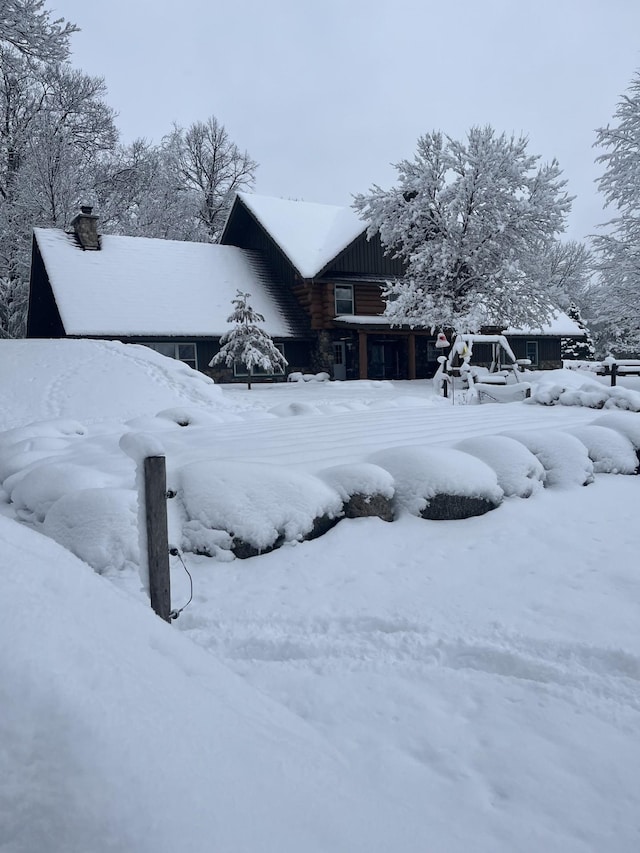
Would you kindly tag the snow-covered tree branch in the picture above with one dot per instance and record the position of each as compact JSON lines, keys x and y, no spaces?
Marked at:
{"x":618,"y":250}
{"x":27,"y":27}
{"x":473,"y":221}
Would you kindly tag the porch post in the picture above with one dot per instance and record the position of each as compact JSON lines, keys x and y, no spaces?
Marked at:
{"x":362,"y":354}
{"x":411,"y":355}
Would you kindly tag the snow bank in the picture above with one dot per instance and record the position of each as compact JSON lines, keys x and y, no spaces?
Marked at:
{"x":563,"y":457}
{"x":421,"y":474}
{"x":519,"y":472}
{"x":117,"y":733}
{"x":258,"y":504}
{"x":100,"y":526}
{"x":610,"y":451}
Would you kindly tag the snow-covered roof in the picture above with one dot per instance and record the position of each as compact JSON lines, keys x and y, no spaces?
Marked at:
{"x":560,"y":324}
{"x":310,"y":235}
{"x":138,"y":286}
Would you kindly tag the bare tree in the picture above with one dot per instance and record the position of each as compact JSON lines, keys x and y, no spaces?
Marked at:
{"x":212,"y":167}
{"x":27,"y":27}
{"x":54,"y":126}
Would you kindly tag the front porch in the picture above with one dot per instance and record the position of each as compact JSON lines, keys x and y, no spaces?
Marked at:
{"x":384,"y":353}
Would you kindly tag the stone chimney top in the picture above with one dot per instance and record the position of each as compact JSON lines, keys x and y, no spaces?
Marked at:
{"x":85,"y":228}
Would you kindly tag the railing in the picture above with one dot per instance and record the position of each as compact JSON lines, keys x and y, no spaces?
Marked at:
{"x":612,"y":367}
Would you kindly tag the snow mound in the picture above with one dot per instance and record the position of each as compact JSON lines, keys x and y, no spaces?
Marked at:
{"x":362,"y":478}
{"x":39,"y":488}
{"x":567,"y":388}
{"x":92,"y":380}
{"x":100,"y":526}
{"x":256,"y":503}
{"x":51,"y":429}
{"x":563,"y":457}
{"x":519,"y":472}
{"x":421,"y":474}
{"x":626,"y":423}
{"x":308,"y":377}
{"x":610,"y":451}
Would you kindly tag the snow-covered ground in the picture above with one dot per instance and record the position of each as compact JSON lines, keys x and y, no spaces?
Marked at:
{"x":407,"y":686}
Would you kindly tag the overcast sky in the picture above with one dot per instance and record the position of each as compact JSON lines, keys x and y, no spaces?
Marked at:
{"x":327,"y":94}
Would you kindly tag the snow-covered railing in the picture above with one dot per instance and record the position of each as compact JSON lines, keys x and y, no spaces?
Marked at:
{"x":609,"y":366}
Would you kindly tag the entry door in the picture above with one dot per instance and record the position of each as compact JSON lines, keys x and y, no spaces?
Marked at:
{"x":339,"y":361}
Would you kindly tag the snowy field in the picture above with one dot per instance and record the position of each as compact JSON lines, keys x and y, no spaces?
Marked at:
{"x":411,"y":686}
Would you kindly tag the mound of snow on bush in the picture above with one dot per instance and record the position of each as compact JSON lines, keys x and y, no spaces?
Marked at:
{"x":563,"y":457}
{"x":420,"y":474}
{"x":568,"y":388}
{"x":253,"y":502}
{"x":100,"y":526}
{"x":626,"y":423}
{"x":362,"y":478}
{"x":35,"y":492}
{"x":519,"y":472}
{"x":610,"y":451}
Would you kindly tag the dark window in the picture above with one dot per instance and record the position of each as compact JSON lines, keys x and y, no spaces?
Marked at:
{"x":183,"y":352}
{"x":344,"y":299}
{"x":531,"y":349}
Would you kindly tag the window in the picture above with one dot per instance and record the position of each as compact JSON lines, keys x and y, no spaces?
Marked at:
{"x":240,"y":369}
{"x":344,"y":299}
{"x":184,"y":352}
{"x":531,"y":349}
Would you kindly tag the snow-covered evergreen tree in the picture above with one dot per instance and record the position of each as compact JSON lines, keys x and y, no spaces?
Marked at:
{"x":618,"y":250}
{"x":579,"y":349}
{"x":246,"y":343}
{"x":472,"y":221}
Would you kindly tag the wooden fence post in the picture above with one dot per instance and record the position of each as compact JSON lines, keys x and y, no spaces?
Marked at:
{"x":155,"y":492}
{"x":614,"y":373}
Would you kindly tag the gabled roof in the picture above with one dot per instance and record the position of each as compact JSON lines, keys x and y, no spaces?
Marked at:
{"x":138,"y":286}
{"x":310,"y":235}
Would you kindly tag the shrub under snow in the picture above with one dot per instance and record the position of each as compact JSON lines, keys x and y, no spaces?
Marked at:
{"x":361,"y":478}
{"x":567,"y":389}
{"x":35,"y":492}
{"x":258,"y":504}
{"x":563,"y":457}
{"x":626,"y":423}
{"x":423,"y":474}
{"x":610,"y":451}
{"x":519,"y":472}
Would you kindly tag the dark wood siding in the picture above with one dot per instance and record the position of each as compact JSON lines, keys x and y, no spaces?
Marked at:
{"x":364,"y":257}
{"x":43,"y":318}
{"x":368,"y":299}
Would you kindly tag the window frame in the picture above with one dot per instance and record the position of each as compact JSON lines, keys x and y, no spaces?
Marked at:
{"x":190,"y":362}
{"x":532,"y":345}
{"x":350,"y":299}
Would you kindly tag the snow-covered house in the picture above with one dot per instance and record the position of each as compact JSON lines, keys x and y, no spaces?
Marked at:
{"x":320,"y":254}
{"x":172,"y":296}
{"x":310,"y":270}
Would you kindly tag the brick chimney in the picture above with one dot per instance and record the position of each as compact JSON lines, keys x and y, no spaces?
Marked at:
{"x":85,"y":228}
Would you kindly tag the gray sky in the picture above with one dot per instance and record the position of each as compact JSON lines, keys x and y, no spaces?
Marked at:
{"x":327,"y":94}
